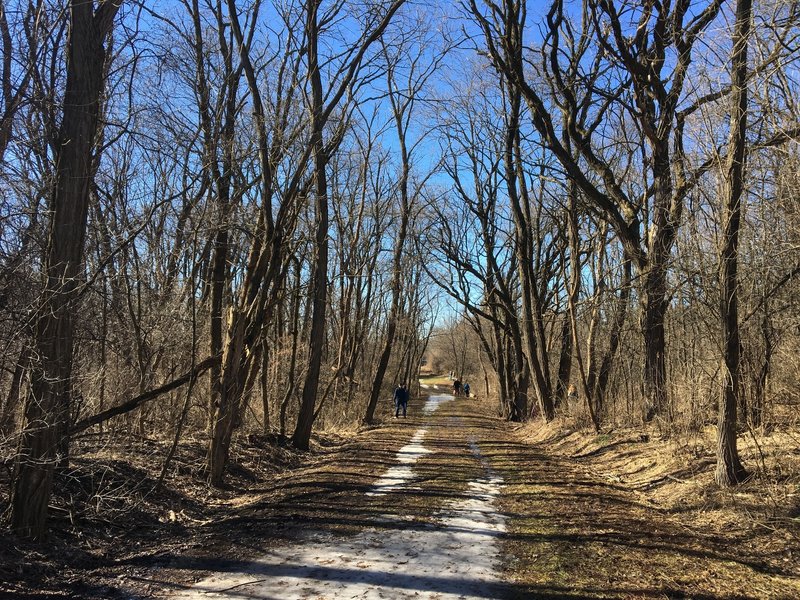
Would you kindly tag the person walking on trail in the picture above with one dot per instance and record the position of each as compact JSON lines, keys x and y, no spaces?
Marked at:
{"x":466,"y":390}
{"x":457,"y":387}
{"x":400,"y":400}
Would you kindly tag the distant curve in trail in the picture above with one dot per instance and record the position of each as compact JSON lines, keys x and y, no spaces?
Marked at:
{"x":453,"y":558}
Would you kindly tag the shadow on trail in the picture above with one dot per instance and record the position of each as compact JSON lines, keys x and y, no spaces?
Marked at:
{"x":401,"y":581}
{"x":257,"y":573}
{"x":582,"y":527}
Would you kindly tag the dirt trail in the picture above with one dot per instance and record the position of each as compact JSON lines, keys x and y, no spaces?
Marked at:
{"x":450,"y":504}
{"x":428,"y":540}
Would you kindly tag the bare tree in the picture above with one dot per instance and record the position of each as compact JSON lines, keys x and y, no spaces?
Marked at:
{"x":267,"y":256}
{"x":321,"y":109}
{"x":729,"y":468}
{"x":404,"y":93}
{"x":649,"y":91}
{"x":469,"y":237}
{"x":48,"y":405}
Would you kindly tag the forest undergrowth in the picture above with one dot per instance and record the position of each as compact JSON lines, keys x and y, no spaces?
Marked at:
{"x":110,"y":511}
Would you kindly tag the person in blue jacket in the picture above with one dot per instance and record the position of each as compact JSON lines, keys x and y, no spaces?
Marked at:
{"x":400,"y":400}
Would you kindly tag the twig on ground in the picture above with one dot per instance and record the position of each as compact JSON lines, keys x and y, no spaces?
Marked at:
{"x":233,"y":587}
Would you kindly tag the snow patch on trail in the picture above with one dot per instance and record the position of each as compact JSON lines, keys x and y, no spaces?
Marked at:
{"x":453,"y":558}
{"x":397,"y":477}
{"x":433,"y":402}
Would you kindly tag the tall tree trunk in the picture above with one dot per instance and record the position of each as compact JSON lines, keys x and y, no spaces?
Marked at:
{"x":527,"y":279}
{"x":305,"y":419}
{"x":396,"y":282}
{"x":573,"y":294}
{"x":264,"y":384}
{"x":617,"y":323}
{"x":655,"y":301}
{"x":573,"y":285}
{"x":729,"y":469}
{"x":13,"y":397}
{"x":47,"y":408}
{"x":294,"y":332}
{"x":509,"y":374}
{"x":760,"y":384}
{"x":500,"y":368}
{"x":654,"y":309}
{"x":518,"y":373}
{"x":564,"y":362}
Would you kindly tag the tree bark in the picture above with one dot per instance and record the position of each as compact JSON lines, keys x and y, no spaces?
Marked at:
{"x":564,"y":362}
{"x":654,"y":310}
{"x":305,"y":419}
{"x":729,"y":469}
{"x":14,"y":390}
{"x":536,"y":371}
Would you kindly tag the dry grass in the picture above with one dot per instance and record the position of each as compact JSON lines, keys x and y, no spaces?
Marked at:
{"x":676,"y":473}
{"x":640,"y":516}
{"x":436,"y":380}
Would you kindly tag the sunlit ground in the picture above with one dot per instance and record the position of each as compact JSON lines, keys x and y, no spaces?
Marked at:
{"x":435,"y":379}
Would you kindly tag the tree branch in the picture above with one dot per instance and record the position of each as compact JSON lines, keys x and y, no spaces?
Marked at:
{"x":136,"y":402}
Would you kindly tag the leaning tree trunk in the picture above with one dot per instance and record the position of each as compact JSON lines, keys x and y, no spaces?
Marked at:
{"x":252,"y":309}
{"x":729,"y":468}
{"x":226,"y":407}
{"x":47,"y":406}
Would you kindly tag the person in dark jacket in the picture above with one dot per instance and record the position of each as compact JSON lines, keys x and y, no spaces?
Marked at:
{"x":400,"y":400}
